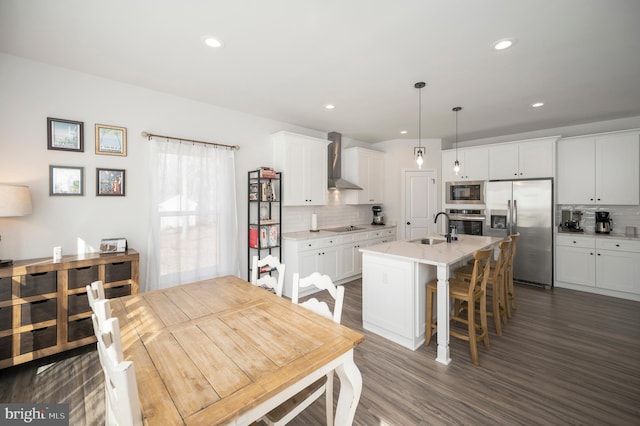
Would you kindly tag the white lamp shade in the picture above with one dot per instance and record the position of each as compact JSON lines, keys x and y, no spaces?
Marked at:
{"x":15,"y":200}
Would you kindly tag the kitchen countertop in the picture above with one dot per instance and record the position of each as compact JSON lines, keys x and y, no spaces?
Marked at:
{"x":443,"y":253}
{"x":308,"y":235}
{"x":596,"y":235}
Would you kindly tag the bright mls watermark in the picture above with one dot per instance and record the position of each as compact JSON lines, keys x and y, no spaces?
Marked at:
{"x":34,"y":414}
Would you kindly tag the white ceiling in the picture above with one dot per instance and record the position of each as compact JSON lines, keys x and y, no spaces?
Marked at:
{"x":286,"y":59}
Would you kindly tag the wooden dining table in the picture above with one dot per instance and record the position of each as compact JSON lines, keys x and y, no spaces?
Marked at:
{"x":223,"y":351}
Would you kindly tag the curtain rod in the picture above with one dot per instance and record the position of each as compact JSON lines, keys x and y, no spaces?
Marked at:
{"x":151,"y":135}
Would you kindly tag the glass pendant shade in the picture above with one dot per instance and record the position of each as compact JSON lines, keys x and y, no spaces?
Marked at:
{"x":419,"y":156}
{"x":456,"y":164}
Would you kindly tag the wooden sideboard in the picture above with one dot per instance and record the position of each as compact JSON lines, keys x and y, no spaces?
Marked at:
{"x":43,"y":304}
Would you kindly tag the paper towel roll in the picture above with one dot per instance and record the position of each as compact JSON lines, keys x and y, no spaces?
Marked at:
{"x":314,"y":222}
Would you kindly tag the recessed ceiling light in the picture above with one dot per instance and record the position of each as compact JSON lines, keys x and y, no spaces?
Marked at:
{"x":329,"y":106}
{"x":211,"y":41}
{"x":537,"y":104}
{"x":403,"y":132}
{"x":503,"y":44}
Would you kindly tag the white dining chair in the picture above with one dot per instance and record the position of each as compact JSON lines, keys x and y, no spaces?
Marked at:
{"x":268,"y":264}
{"x":121,"y":389}
{"x":95,"y":291}
{"x":286,"y":411}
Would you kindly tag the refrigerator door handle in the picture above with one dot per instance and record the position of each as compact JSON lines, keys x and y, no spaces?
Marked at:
{"x":508,"y":217}
{"x":515,"y":217}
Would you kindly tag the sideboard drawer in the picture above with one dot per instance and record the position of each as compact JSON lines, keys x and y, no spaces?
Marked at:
{"x":113,"y":292}
{"x":40,"y":283}
{"x":77,"y":304}
{"x":6,"y":347}
{"x":5,"y":288}
{"x":42,"y":310}
{"x":6,"y":318}
{"x":117,"y":271}
{"x":80,"y":329}
{"x":38,"y":339}
{"x":80,"y":277}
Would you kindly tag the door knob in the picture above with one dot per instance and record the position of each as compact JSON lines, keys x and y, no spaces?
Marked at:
{"x":408,"y":223}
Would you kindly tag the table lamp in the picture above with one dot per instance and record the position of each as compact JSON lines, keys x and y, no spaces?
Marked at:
{"x":15,"y":200}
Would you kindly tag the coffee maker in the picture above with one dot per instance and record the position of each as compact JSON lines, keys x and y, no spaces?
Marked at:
{"x":603,"y":223}
{"x":377,"y":215}
{"x":571,"y":221}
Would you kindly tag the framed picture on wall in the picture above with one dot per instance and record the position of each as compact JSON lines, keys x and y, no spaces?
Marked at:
{"x":66,"y":180}
{"x":110,"y":182}
{"x":65,"y":135}
{"x":111,"y":140}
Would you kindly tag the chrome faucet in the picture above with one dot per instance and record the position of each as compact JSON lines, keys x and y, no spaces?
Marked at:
{"x":448,"y":226}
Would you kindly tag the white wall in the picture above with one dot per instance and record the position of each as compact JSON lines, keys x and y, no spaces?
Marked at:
{"x":399,"y":156}
{"x":32,"y":91}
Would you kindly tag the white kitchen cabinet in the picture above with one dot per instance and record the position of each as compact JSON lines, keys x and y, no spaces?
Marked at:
{"x":522,"y":160}
{"x":575,"y":260}
{"x":474,"y":164}
{"x":602,"y":265}
{"x":303,"y":160}
{"x":308,"y":256}
{"x":618,"y":265}
{"x":337,"y":256}
{"x":599,"y":169}
{"x":365,"y":168}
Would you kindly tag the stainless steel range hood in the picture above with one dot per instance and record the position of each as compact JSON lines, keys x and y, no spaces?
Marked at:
{"x":335,"y":163}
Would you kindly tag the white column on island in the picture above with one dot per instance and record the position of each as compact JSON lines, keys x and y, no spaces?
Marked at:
{"x":443,"y":314}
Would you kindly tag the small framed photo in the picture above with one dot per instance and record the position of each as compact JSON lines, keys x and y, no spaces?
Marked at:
{"x":65,"y":135}
{"x":66,"y":180}
{"x":110,"y":182}
{"x":111,"y":140}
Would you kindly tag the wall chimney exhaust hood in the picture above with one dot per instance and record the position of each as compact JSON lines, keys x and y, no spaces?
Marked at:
{"x":335,"y":163}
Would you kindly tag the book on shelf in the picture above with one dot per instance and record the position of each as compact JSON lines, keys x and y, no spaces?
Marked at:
{"x":267,"y":172}
{"x":264,"y":237}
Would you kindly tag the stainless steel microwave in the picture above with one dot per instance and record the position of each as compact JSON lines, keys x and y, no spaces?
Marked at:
{"x":471,"y":192}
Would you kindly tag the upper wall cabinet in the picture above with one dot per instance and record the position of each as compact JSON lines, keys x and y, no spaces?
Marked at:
{"x":599,"y":169}
{"x":365,"y":168}
{"x":473,"y":164}
{"x":522,"y":160}
{"x":303,"y":162}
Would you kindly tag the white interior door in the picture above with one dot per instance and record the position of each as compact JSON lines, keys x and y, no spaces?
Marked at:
{"x":420,"y":203}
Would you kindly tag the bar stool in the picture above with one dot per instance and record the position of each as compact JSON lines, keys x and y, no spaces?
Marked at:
{"x":496,"y":285}
{"x":469,"y":292}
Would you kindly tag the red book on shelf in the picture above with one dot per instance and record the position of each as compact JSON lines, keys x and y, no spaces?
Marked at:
{"x":253,"y":237}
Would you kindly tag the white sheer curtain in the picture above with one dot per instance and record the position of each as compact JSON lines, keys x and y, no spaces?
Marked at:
{"x":194,"y":222}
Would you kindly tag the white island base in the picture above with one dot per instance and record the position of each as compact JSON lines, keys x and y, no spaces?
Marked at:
{"x":394,"y":298}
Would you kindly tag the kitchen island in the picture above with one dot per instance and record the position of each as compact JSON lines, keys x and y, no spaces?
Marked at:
{"x":394,"y":277}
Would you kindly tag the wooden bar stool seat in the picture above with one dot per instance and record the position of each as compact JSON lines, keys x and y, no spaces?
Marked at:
{"x":496,"y":285}
{"x":469,"y":292}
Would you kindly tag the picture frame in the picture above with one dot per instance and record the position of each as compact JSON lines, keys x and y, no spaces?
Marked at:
{"x":65,"y":135}
{"x":111,"y":140}
{"x":66,"y":180}
{"x":110,"y":182}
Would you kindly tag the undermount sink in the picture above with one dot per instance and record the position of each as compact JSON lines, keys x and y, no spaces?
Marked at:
{"x":348,"y":228}
{"x":429,"y":240}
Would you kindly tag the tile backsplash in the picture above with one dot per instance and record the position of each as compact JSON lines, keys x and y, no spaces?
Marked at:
{"x":335,"y":213}
{"x":622,"y":216}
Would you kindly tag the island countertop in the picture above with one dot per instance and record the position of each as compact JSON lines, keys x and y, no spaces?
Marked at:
{"x":441,"y":253}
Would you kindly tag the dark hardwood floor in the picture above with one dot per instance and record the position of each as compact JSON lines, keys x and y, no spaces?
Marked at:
{"x":565,"y":357}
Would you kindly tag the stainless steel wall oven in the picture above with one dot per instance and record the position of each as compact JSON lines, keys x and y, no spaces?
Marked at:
{"x":467,"y":221}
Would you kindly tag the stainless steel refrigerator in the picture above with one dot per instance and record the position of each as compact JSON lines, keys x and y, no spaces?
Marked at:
{"x":524,"y":206}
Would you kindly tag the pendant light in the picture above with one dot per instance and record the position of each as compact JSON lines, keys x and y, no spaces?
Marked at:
{"x":419,"y":153}
{"x":456,"y":164}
